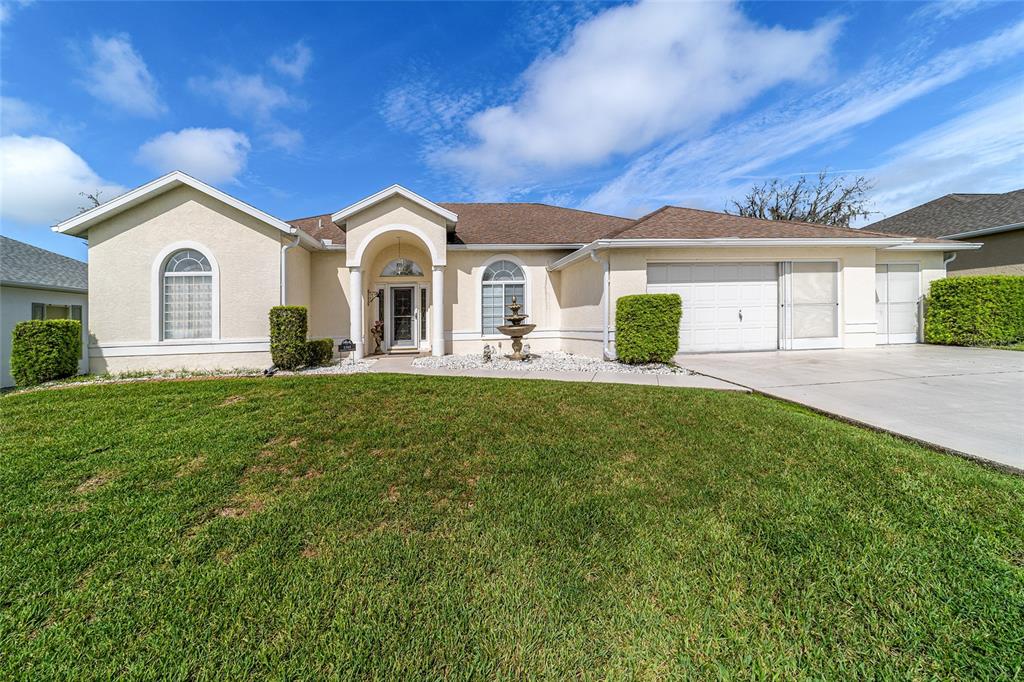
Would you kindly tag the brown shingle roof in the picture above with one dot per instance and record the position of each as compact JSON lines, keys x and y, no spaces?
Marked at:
{"x":509,"y":223}
{"x":529,"y":224}
{"x":320,"y":227}
{"x":675,"y":222}
{"x":500,"y":224}
{"x":956,"y":213}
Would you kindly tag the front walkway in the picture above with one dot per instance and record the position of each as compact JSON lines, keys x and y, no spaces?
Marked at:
{"x":402,"y":364}
{"x":966,"y":400}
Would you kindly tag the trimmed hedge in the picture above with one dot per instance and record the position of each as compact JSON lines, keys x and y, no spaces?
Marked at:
{"x":319,"y":352}
{"x":288,"y":336}
{"x":44,"y":350}
{"x":647,"y":327}
{"x":986,"y":310}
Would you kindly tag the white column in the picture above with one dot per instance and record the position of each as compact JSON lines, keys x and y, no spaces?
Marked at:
{"x":355,"y":313}
{"x":437,"y":327}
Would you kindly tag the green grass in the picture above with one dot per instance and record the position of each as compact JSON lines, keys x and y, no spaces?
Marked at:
{"x":398,"y":526}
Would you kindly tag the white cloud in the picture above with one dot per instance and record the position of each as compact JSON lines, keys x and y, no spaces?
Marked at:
{"x":211,"y":155}
{"x":631,"y":76}
{"x":282,"y":137}
{"x":17,"y":115}
{"x":945,"y":9}
{"x":40,"y":180}
{"x":979,"y":151}
{"x":421,"y":107}
{"x":117,"y":75}
{"x":7,"y":8}
{"x":246,"y":96}
{"x":293,"y":61}
{"x":706,"y":170}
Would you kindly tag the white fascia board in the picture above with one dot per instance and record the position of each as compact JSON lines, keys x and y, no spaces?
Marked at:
{"x":932,"y":246}
{"x":387,"y":193}
{"x":42,"y":287}
{"x":982,"y":232}
{"x":513,"y":247}
{"x":862,"y":242}
{"x":83,"y":221}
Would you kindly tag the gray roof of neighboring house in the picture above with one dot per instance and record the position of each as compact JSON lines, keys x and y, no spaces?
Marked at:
{"x":30,"y":266}
{"x":956,"y":214}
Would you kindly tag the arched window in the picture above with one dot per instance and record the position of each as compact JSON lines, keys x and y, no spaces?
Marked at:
{"x":187,"y":296}
{"x":401,"y":267}
{"x":502,"y":280}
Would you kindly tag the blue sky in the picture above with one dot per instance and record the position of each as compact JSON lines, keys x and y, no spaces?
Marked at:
{"x":301,"y":109}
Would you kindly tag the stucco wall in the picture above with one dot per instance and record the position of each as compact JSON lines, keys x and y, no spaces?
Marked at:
{"x":1002,"y":254}
{"x":297,"y":274}
{"x":329,"y":300}
{"x":187,"y":362}
{"x":16,"y":306}
{"x":394,"y":211}
{"x":123,"y":249}
{"x":463,"y":280}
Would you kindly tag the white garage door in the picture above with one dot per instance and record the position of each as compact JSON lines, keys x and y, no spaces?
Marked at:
{"x":726,"y":306}
{"x":897,"y":297}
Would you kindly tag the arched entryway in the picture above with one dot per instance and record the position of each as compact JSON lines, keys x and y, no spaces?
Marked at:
{"x":398,"y":282}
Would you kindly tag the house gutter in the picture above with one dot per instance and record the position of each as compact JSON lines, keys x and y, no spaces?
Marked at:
{"x":284,"y":268}
{"x":606,"y":303}
{"x":863,"y":242}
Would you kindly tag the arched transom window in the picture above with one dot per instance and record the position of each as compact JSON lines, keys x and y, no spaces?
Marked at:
{"x":401,"y":267}
{"x":502,"y":280}
{"x":187,"y":296}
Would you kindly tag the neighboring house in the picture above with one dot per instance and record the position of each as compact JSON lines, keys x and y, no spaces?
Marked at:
{"x":183,"y":275}
{"x":36,"y":284}
{"x":994,"y":220}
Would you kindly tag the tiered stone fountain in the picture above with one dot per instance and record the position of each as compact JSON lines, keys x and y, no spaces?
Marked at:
{"x":516,"y":330}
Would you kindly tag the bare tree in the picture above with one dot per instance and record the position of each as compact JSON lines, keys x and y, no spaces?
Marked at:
{"x":834,"y":202}
{"x":93,"y":199}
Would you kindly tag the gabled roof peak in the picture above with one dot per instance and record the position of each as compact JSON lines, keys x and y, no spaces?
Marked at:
{"x":83,"y":221}
{"x":394,"y":190}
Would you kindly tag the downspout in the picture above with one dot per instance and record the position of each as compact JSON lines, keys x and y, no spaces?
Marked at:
{"x":606,"y":303}
{"x":284,"y":261}
{"x":947,"y":261}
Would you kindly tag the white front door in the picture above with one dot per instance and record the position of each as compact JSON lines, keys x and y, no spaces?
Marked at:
{"x":897,"y":302}
{"x":403,"y":317}
{"x":726,"y":306}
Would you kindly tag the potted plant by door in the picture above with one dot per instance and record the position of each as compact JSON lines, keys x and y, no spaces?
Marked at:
{"x":377,"y":331}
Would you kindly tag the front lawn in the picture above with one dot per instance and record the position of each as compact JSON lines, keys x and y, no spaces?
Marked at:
{"x":401,"y":526}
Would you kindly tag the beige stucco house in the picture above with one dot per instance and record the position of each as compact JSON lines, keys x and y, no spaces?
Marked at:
{"x":183,"y":275}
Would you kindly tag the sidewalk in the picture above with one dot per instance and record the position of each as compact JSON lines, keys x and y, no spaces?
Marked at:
{"x":402,"y":364}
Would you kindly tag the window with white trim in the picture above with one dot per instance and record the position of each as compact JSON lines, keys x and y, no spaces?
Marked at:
{"x":187,"y":296}
{"x":502,"y":281}
{"x":402,"y":267}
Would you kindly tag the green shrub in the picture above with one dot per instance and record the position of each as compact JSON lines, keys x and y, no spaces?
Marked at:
{"x":319,"y":352}
{"x":975,"y":311}
{"x":44,"y":350}
{"x":647,"y":327}
{"x":288,"y":336}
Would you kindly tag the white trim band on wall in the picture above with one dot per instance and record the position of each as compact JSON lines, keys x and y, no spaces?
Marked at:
{"x":143,"y":348}
{"x":576,"y":334}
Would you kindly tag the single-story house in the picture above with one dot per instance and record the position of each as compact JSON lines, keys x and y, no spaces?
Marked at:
{"x":994,"y":220}
{"x":36,"y":284}
{"x":183,"y":275}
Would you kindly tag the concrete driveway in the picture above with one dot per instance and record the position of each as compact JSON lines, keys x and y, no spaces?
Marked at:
{"x":968,"y":400}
